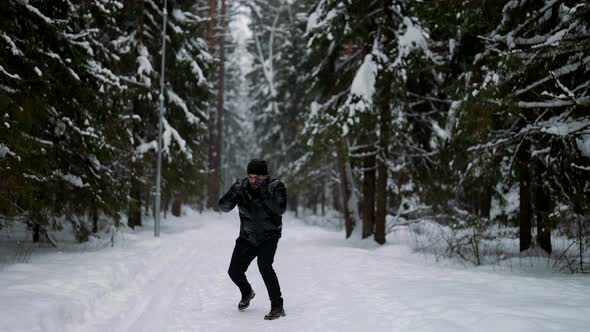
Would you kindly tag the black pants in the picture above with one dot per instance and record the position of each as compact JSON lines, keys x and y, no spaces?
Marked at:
{"x":244,"y":253}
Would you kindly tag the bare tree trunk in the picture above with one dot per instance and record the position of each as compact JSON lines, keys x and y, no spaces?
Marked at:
{"x":336,"y":198}
{"x":213,"y":154}
{"x":381,"y":202}
{"x":94,"y":216}
{"x":134,"y":213}
{"x":134,"y":204}
{"x":176,"y":206}
{"x":148,"y":202}
{"x":580,"y":244}
{"x":295,"y":204}
{"x":220,"y":98}
{"x":542,"y":209}
{"x":166,"y":198}
{"x":36,"y":233}
{"x":345,"y":193}
{"x":323,"y":198}
{"x":381,"y":185}
{"x":292,"y":203}
{"x":212,"y":23}
{"x":524,"y":155}
{"x":368,"y":204}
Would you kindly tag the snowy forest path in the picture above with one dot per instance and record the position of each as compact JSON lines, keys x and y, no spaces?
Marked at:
{"x":179,"y":282}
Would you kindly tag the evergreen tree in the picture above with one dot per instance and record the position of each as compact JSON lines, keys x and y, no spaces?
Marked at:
{"x":81,"y":109}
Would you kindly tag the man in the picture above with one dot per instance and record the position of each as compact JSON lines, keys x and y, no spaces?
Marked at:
{"x":261,"y":202}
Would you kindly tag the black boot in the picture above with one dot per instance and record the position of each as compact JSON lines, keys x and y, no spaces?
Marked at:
{"x":276,"y":311}
{"x":245,"y":301}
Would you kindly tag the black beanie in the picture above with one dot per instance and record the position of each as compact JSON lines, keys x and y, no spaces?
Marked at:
{"x":258,"y":167}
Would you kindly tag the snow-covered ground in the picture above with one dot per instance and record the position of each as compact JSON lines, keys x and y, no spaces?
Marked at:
{"x":179,"y":282}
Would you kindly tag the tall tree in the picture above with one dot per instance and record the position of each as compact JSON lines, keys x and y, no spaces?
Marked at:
{"x":92,"y":100}
{"x":212,"y":144}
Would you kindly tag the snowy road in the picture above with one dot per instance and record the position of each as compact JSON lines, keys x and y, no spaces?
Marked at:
{"x":179,"y":282}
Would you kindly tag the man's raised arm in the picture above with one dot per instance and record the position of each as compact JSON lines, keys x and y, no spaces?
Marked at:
{"x":275,"y":197}
{"x":231,"y":198}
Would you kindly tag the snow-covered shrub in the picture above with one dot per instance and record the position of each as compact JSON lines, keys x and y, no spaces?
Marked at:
{"x":574,"y":232}
{"x":474,"y":240}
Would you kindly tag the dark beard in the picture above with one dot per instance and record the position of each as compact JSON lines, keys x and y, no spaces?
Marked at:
{"x":253,"y":192}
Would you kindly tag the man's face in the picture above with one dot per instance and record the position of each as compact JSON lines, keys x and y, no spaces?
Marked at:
{"x":252,"y":179}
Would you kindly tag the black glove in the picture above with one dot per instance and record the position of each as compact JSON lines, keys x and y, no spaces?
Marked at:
{"x":236,"y":188}
{"x":263,"y":185}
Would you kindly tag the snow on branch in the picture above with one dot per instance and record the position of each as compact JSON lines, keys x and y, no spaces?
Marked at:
{"x":88,"y":132}
{"x":362,"y":88}
{"x":104,"y":74}
{"x":4,"y":150}
{"x":122,"y":44}
{"x":414,"y":37}
{"x":168,"y":134}
{"x":100,"y":4}
{"x":184,"y":56}
{"x":561,"y":125}
{"x":145,"y":66}
{"x":186,"y":17}
{"x":13,"y":48}
{"x":72,"y":179}
{"x":175,"y":99}
{"x":14,"y":76}
{"x":509,"y":37}
{"x":320,"y":21}
{"x":154,"y":6}
{"x":561,"y":71}
{"x":553,"y":103}
{"x":36,"y":12}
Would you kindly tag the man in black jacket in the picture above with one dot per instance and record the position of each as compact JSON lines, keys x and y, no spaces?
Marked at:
{"x":261,"y":202}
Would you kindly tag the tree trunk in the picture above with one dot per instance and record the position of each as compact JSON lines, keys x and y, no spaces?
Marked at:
{"x":36,"y":232}
{"x":134,"y":202}
{"x":220,"y":96}
{"x":166,"y":198}
{"x":94,"y":216}
{"x":323,"y":198}
{"x":292,"y":203}
{"x":296,"y":205}
{"x":381,"y":185}
{"x":542,"y":209}
{"x":336,"y":198}
{"x":381,"y":202}
{"x":212,"y":179}
{"x":524,"y":156}
{"x":134,"y":213}
{"x":177,"y":207}
{"x":344,"y":192}
{"x":368,"y":204}
{"x":148,"y":202}
{"x":211,"y":25}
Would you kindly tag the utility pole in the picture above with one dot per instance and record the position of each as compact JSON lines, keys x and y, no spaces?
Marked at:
{"x":159,"y":172}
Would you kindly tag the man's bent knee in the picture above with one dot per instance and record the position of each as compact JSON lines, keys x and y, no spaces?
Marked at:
{"x":265,"y":268}
{"x":233,"y":272}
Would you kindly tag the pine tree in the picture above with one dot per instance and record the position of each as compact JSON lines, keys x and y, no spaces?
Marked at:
{"x":81,"y":109}
{"x":530,"y":81}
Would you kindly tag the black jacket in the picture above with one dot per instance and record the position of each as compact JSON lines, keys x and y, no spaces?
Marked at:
{"x":260,"y":212}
